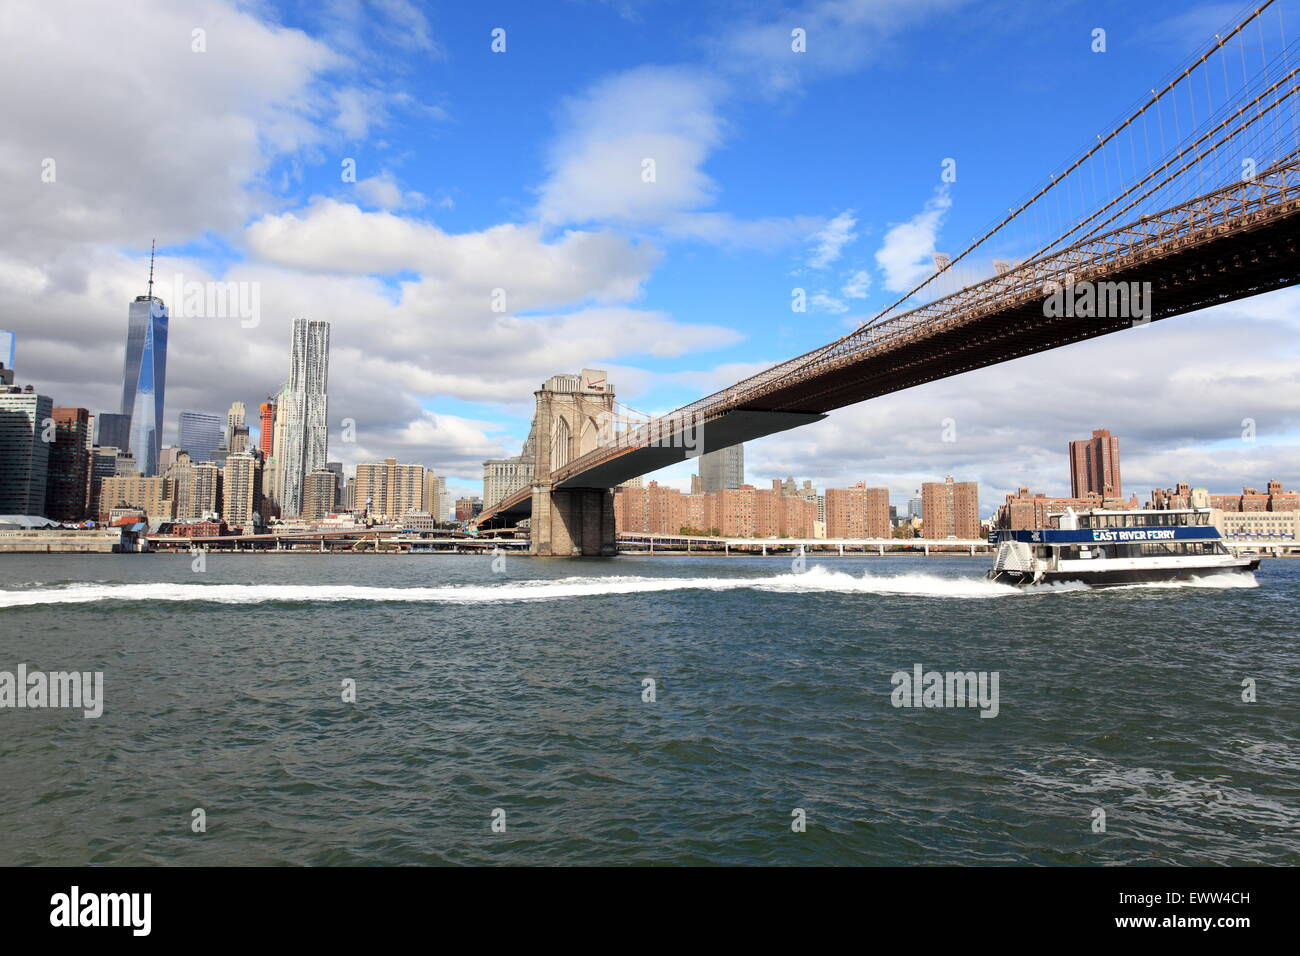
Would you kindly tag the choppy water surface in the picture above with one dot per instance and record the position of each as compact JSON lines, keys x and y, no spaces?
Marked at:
{"x":523,"y":691}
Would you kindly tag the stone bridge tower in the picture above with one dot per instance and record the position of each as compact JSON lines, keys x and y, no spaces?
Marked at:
{"x":571,"y":410}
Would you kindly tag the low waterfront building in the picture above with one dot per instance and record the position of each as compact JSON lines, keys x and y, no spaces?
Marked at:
{"x":206,"y":528}
{"x":1263,"y":529}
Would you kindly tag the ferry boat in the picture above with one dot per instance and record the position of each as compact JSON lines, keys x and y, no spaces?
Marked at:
{"x":1109,"y":548}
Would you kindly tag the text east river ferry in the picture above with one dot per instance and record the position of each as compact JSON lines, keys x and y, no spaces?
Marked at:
{"x":1108,"y":548}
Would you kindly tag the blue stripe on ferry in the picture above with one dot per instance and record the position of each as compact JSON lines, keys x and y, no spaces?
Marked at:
{"x":1108,"y":535}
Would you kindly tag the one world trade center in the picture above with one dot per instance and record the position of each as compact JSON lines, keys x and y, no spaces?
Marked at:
{"x":144,"y":377}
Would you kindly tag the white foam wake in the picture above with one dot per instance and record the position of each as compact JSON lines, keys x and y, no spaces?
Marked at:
{"x":815,"y":579}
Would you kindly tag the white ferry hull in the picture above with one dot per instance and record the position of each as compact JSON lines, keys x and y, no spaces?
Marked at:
{"x":1100,"y":577}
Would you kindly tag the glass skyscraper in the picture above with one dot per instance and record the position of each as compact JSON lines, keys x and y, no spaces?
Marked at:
{"x":144,"y":378}
{"x":200,"y":434}
{"x":301,"y":425}
{"x":723,"y":469}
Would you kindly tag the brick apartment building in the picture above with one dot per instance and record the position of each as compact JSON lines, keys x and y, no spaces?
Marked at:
{"x":857,"y":512}
{"x":951,"y":509}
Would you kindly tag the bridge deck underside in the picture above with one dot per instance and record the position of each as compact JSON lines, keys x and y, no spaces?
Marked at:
{"x":1231,"y":267}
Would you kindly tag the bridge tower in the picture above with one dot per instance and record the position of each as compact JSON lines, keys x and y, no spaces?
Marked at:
{"x":570,"y":521}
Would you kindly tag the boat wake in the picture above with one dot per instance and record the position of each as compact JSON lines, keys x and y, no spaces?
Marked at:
{"x":816,"y":579}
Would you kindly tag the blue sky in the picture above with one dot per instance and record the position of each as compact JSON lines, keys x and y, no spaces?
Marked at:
{"x":477,"y":169}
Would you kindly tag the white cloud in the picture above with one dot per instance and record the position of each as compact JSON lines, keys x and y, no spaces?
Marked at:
{"x":857,"y":285}
{"x":841,"y":36}
{"x":597,"y":165}
{"x":827,"y":303}
{"x":906,"y":254}
{"x":133,"y":118}
{"x":384,"y":192}
{"x":830,"y":241}
{"x":631,"y":152}
{"x":457,"y":269}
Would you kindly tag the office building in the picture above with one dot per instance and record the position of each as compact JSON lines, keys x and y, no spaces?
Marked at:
{"x":200,"y":434}
{"x":467,"y":509}
{"x":722,"y":470}
{"x":67,"y":484}
{"x":952,"y":509}
{"x":302,"y":425}
{"x":503,"y":476}
{"x":235,"y":416}
{"x":167,"y":457}
{"x":113,"y":430}
{"x":1094,"y":466}
{"x":24,"y":457}
{"x":144,"y":377}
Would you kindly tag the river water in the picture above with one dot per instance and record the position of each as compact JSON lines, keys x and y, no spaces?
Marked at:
{"x":688,"y":710}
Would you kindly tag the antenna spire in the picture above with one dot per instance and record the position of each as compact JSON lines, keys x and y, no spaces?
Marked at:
{"x":153,"y":245}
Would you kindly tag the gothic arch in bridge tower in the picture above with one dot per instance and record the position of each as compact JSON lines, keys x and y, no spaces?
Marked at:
{"x":590,"y":439}
{"x":560,"y":441}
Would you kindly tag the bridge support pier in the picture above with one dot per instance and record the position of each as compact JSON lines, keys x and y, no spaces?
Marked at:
{"x":571,"y":522}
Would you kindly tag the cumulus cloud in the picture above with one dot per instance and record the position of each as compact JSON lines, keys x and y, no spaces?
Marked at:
{"x":906,"y":256}
{"x":458,"y":269}
{"x":130,"y":133}
{"x":631,"y":151}
{"x":600,"y":163}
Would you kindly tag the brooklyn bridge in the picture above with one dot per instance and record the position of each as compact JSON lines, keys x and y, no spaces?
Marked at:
{"x":1190,"y":201}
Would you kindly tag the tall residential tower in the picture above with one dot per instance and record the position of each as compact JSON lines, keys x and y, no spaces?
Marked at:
{"x":1094,"y":465}
{"x":302,"y":425}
